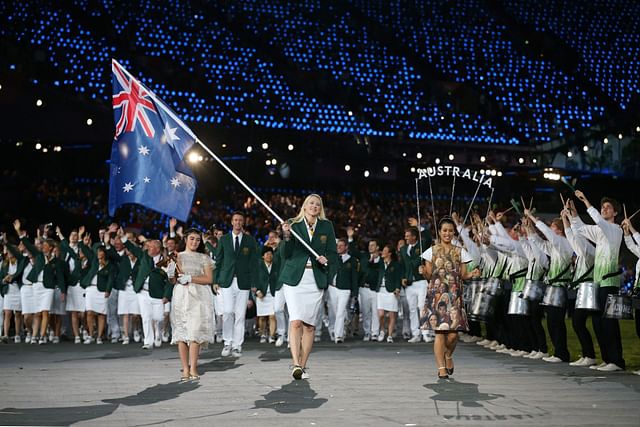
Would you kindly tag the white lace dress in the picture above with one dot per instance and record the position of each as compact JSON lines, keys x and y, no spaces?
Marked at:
{"x":192,"y":304}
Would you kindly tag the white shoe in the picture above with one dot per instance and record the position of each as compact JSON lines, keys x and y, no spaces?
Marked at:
{"x":77,"y":340}
{"x":339,"y":340}
{"x":263,"y":339}
{"x":146,"y":346}
{"x":89,"y":340}
{"x":165,"y":336}
{"x":332,"y":336}
{"x":272,"y":340}
{"x":587,"y":361}
{"x":55,"y":340}
{"x":429,"y":339}
{"x":519,"y":353}
{"x":305,"y":374}
{"x":85,"y":334}
{"x":34,"y":340}
{"x":43,"y":340}
{"x":483,"y":342}
{"x":498,"y":347}
{"x":99,"y":341}
{"x":540,"y":355}
{"x":280,"y":341}
{"x":236,"y":352}
{"x":476,"y":339}
{"x":226,"y":351}
{"x":374,"y":338}
{"x":636,"y":372}
{"x":366,"y":338}
{"x":158,"y":342}
{"x":493,"y":344}
{"x":315,"y":339}
{"x":381,"y":337}
{"x":610,"y":367}
{"x":552,"y":359}
{"x":415,"y":339}
{"x":504,"y":350}
{"x":297,"y":372}
{"x":530,"y":355}
{"x":406,"y":335}
{"x":17,"y":339}
{"x":136,"y":336}
{"x":27,"y":339}
{"x":603,"y":364}
{"x":577,"y":362}
{"x":390,"y":339}
{"x":125,"y":341}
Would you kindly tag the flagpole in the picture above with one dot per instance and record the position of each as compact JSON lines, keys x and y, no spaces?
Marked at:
{"x":161,"y":104}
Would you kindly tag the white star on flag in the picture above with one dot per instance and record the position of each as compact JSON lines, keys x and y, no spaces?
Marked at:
{"x":175,"y":182}
{"x":147,"y":180}
{"x":144,"y":150}
{"x":170,"y":134}
{"x":127,"y":187}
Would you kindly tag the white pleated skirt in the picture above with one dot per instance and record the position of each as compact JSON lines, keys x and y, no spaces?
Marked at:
{"x":13,"y":299}
{"x":265,"y":306}
{"x":26,"y":299}
{"x":58,"y":306}
{"x":387,"y":301}
{"x":95,"y":300}
{"x":128,"y":301}
{"x":304,"y":300}
{"x":75,"y":298}
{"x":42,"y":297}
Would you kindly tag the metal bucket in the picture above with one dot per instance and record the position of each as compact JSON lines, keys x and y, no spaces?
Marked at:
{"x":518,"y":306}
{"x":473,"y":288}
{"x":587,"y":297}
{"x":534,"y":290}
{"x":618,"y":307}
{"x":482,"y":307}
{"x":554,"y":296}
{"x":492,"y":286}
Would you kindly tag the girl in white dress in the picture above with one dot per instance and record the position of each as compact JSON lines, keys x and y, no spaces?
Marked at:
{"x":192,"y":304}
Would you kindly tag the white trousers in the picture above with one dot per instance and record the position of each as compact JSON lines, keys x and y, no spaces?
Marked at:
{"x":368,"y":300}
{"x":338,"y":301}
{"x":281,"y":313}
{"x":416,"y":295}
{"x":234,"y":302}
{"x":403,"y":304}
{"x":112,"y":314}
{"x":152,"y":313}
{"x":321,"y":314}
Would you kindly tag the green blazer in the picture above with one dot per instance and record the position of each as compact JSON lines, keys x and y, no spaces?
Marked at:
{"x":296,"y":255}
{"x":159,"y":285}
{"x":243,"y":265}
{"x":392,"y":275}
{"x":53,"y":272}
{"x":106,"y":275}
{"x":75,"y":276}
{"x":124,"y":271}
{"x":267,"y":281}
{"x":372,"y":273}
{"x":15,"y":278}
{"x":22,"y":263}
{"x":347,"y":276}
{"x":411,"y":263}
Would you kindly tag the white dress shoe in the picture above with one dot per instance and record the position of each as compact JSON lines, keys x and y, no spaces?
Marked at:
{"x":610,"y":367}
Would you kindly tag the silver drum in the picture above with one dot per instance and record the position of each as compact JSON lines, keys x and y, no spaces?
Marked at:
{"x":618,"y":307}
{"x":587,"y":297}
{"x":534,"y":290}
{"x":555,"y":296}
{"x":492,"y":286}
{"x":482,"y":307}
{"x":518,"y":306}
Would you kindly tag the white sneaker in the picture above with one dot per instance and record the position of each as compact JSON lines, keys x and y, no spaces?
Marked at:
{"x":297,"y":372}
{"x":85,"y":335}
{"x":27,"y":339}
{"x":236,"y":352}
{"x":366,"y":338}
{"x":610,"y":367}
{"x":55,"y":340}
{"x":498,"y":347}
{"x":43,"y":340}
{"x":603,"y":364}
{"x":518,"y":353}
{"x":577,"y":362}
{"x":374,"y":338}
{"x":136,"y":336}
{"x":390,"y":339}
{"x":406,"y":335}
{"x":315,"y":339}
{"x":636,"y":372}
{"x":165,"y":336}
{"x":125,"y":341}
{"x":77,"y":340}
{"x":476,"y":339}
{"x":226,"y":351}
{"x":114,"y":340}
{"x":280,"y":341}
{"x":415,"y":339}
{"x":99,"y":341}
{"x":530,"y":355}
{"x":17,"y":339}
{"x":272,"y":340}
{"x":429,"y":339}
{"x":146,"y":347}
{"x":305,"y":374}
{"x":490,"y":344}
{"x":552,"y":359}
{"x":332,"y":336}
{"x":381,"y":337}
{"x":263,"y":339}
{"x":158,"y":342}
{"x":504,"y":350}
{"x":89,"y":340}
{"x":587,"y":361}
{"x":483,"y":342}
{"x":34,"y":340}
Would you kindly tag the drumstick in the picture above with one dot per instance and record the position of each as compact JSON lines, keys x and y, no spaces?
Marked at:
{"x":504,"y":212}
{"x":634,"y":214}
{"x":531,"y":203}
{"x":624,"y":207}
{"x":523,"y":205}
{"x":564,"y":204}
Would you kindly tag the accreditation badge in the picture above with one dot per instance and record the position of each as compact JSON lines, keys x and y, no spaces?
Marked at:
{"x":323,"y":238}
{"x":245,"y":251}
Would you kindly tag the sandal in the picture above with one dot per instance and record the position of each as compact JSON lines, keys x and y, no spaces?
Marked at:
{"x":194,"y":377}
{"x":449,"y":370}
{"x":442,"y":377}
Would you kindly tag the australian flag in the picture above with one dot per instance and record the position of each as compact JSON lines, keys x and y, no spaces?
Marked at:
{"x":148,"y":154}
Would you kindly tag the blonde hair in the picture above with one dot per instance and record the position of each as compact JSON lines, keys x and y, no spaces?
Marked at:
{"x":300,"y":216}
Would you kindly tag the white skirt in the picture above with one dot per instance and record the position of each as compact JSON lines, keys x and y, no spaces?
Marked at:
{"x":128,"y":301}
{"x":75,"y":298}
{"x":13,"y":298}
{"x":95,"y":300}
{"x":218,"y":306}
{"x":265,"y":306}
{"x":167,"y":307}
{"x":58,"y":307}
{"x":26,"y":298}
{"x":387,"y":301}
{"x":304,"y":300}
{"x":42,"y":297}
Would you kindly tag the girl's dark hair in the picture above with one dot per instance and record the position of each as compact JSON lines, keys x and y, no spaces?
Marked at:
{"x":447,"y":220}
{"x":182,"y":245}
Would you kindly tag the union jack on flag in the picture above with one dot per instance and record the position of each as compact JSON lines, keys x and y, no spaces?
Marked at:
{"x":148,"y":153}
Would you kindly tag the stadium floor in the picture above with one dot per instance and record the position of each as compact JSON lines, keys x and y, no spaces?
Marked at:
{"x":351,"y":384}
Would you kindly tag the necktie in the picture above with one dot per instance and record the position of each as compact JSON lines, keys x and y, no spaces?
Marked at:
{"x":237,"y":245}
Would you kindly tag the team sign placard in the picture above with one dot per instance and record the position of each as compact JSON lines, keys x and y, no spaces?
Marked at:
{"x":457,"y":172}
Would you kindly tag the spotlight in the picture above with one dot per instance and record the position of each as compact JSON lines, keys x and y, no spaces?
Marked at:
{"x":494,"y":172}
{"x":451,"y":157}
{"x":350,"y":113}
{"x":521,"y":160}
{"x":366,"y":174}
{"x":585,"y":148}
{"x":200,"y":158}
{"x":268,"y":162}
{"x":413,"y":170}
{"x":499,"y":173}
{"x":569,"y":154}
{"x":619,"y":136}
{"x":419,"y":155}
{"x":249,"y":149}
{"x":38,"y":146}
{"x":0,"y":87}
{"x":606,"y":140}
{"x":482,"y":171}
{"x":265,"y":146}
{"x":385,"y":169}
{"x":290,"y":147}
{"x":637,"y":127}
{"x":39,"y":103}
{"x":57,"y":148}
{"x":274,"y":162}
{"x":483,"y":159}
{"x":404,"y":154}
{"x":437,"y":160}
{"x":534,"y":161}
{"x":45,"y":150}
{"x":224,"y":145}
{"x":19,"y":144}
{"x":89,"y":122}
{"x":347,"y":167}
{"x":193,"y":157}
